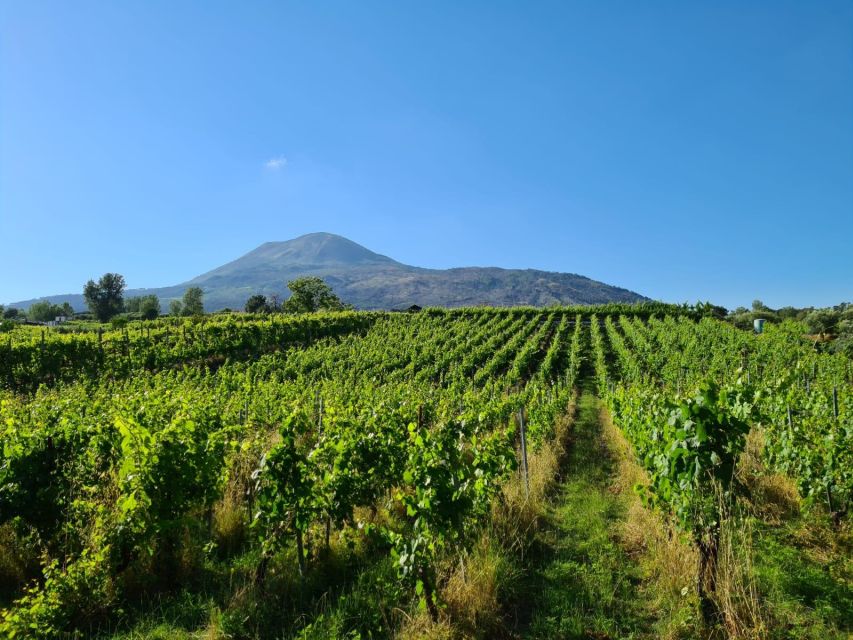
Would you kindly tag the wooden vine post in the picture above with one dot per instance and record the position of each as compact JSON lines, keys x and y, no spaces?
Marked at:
{"x":524,"y":468}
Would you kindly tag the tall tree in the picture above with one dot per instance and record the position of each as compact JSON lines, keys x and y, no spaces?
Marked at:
{"x":823,"y":320}
{"x":257,"y":304}
{"x":148,"y":306}
{"x":43,"y":310}
{"x":757,"y":305}
{"x":193,"y":302}
{"x":105,"y":298}
{"x":309,"y":294}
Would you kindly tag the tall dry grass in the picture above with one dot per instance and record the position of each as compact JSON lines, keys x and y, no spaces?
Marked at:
{"x":516,"y":514}
{"x":771,"y":496}
{"x":672,"y":561}
{"x":669,"y":562}
{"x":471,"y":586}
{"x":736,"y":597}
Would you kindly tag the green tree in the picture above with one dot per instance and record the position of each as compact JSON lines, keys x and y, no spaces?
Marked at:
{"x":757,"y":305}
{"x":823,"y":321}
{"x":41,"y":311}
{"x":149,"y":307}
{"x":44,"y":311}
{"x":257,"y":304}
{"x":105,"y":298}
{"x":11,"y":313}
{"x":786,"y":313}
{"x":309,"y":294}
{"x":176,"y":308}
{"x":193,"y":302}
{"x":711,"y":310}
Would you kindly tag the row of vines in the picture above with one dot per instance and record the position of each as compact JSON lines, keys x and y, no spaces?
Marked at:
{"x":392,"y":431}
{"x":687,"y":393}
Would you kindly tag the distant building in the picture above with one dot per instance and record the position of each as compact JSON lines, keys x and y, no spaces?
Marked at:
{"x":56,"y":321}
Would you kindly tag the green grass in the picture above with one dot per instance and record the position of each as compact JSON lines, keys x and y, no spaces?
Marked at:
{"x":807,"y":597}
{"x":343,"y":596}
{"x":585,"y":585}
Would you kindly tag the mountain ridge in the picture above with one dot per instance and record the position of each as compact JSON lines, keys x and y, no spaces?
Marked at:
{"x":370,"y":280}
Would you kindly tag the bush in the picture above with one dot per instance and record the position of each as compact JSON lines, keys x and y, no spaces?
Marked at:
{"x":822,"y":321}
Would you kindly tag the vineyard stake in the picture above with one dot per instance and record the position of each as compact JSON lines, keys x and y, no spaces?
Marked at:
{"x":524,"y":452}
{"x":835,"y":401}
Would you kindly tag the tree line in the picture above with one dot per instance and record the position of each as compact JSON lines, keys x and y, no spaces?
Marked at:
{"x":106,"y":302}
{"x":307,"y":295}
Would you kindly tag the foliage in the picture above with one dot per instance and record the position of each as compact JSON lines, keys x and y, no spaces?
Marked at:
{"x":285,"y":493}
{"x":116,"y":463}
{"x":148,"y":306}
{"x":192,"y":303}
{"x":822,"y":320}
{"x":689,"y":445}
{"x":449,"y":478}
{"x":343,"y":441}
{"x":686,"y":394}
{"x":257,"y":304}
{"x":43,"y":311}
{"x":106,"y":297}
{"x":39,"y":357}
{"x":758,"y":306}
{"x":310,"y":294}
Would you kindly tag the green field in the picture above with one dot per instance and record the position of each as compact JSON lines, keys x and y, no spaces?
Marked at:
{"x":587,"y":472}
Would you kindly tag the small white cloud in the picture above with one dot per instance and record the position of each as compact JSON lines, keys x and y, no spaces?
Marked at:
{"x":274,"y":164}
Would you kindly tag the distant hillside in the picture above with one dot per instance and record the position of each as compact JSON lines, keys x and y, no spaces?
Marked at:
{"x":369,"y":280}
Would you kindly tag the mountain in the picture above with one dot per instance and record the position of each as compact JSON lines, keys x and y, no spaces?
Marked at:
{"x":369,"y":280}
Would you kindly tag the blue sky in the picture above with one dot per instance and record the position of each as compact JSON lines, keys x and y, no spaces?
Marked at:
{"x":698,"y":150}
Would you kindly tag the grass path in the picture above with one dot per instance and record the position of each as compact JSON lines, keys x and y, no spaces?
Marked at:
{"x":583,"y":584}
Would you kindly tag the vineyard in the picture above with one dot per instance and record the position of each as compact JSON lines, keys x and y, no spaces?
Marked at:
{"x":335,"y":475}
